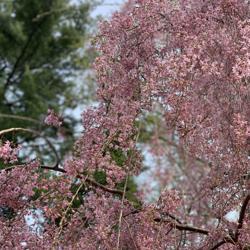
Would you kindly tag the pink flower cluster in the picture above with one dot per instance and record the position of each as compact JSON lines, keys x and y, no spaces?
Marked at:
{"x":53,"y":119}
{"x":241,"y":129}
{"x":8,"y":153}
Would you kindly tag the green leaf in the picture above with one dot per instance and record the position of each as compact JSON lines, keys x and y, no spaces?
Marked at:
{"x":38,"y":193}
{"x":100,"y":177}
{"x":130,"y":192}
{"x":77,"y":203}
{"x":118,"y":156}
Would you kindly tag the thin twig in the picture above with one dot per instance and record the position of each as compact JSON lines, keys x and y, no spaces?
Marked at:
{"x":121,"y":213}
{"x":57,"y":236}
{"x":131,"y":236}
{"x":48,"y":13}
{"x":19,"y":117}
{"x":124,"y":194}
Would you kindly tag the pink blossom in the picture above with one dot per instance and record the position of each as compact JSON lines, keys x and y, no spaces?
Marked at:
{"x":9,"y":153}
{"x":177,"y":72}
{"x":53,"y":119}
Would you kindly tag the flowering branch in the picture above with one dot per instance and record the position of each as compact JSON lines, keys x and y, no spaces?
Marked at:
{"x":88,"y":179}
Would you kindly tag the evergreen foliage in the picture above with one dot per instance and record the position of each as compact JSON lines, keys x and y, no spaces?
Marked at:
{"x":42,"y":54}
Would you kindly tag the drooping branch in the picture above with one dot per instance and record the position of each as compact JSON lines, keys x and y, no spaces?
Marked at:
{"x":48,"y":13}
{"x":55,"y":167}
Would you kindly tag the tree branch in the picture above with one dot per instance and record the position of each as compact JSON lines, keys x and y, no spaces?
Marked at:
{"x":121,"y":213}
{"x":23,"y":52}
{"x":190,"y":228}
{"x":19,"y":117}
{"x":175,"y":224}
{"x":184,"y":227}
{"x":242,"y":216}
{"x":227,"y":239}
{"x":19,"y":58}
{"x":9,"y":130}
{"x":89,"y":180}
{"x":56,"y":168}
{"x":110,"y":190}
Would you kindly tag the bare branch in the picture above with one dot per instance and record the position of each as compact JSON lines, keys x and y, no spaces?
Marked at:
{"x":183,"y":226}
{"x":242,"y":216}
{"x":19,"y":117}
{"x":121,"y":213}
{"x":107,"y":189}
{"x":222,"y":242}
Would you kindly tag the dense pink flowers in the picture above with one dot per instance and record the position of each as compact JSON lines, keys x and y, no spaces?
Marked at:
{"x":241,"y":130}
{"x":8,"y":153}
{"x":173,"y":79}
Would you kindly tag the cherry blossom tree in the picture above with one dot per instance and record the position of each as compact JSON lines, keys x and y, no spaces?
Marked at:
{"x":173,"y":76}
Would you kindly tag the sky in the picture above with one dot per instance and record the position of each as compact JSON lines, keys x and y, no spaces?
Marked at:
{"x":107,"y":8}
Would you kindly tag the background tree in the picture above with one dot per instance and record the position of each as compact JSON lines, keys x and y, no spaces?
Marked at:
{"x":173,"y":75}
{"x":43,"y":58}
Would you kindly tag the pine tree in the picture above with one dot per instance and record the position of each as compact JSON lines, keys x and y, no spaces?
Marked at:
{"x":42,"y":52}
